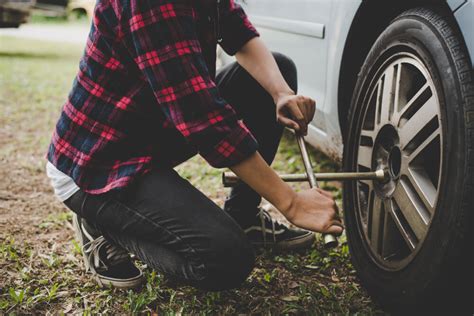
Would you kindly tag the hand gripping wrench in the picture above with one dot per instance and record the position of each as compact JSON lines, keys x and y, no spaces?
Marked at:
{"x":330,"y":241}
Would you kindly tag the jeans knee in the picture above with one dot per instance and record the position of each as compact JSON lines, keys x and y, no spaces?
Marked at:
{"x":288,"y":69}
{"x":230,"y":268}
{"x":242,"y":263}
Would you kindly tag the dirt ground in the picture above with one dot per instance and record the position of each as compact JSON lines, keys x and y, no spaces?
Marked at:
{"x":41,"y":268}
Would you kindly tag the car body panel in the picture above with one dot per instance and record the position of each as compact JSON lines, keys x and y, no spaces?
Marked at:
{"x":465,"y":17}
{"x":318,"y":58}
{"x":314,"y":34}
{"x":455,"y":4}
{"x":297,"y":35}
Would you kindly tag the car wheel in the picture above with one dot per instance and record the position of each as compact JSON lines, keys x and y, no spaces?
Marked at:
{"x":412,"y":113}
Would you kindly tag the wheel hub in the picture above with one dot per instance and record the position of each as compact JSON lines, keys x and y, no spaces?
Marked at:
{"x":395,"y":162}
{"x":387,"y":156}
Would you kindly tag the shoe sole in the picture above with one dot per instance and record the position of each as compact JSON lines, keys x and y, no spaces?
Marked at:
{"x":103,"y":281}
{"x":299,"y":243}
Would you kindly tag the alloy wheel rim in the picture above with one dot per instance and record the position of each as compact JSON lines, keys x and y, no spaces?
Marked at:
{"x":402,"y":133}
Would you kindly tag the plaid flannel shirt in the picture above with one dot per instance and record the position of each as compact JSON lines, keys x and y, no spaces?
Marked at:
{"x":145,"y":96}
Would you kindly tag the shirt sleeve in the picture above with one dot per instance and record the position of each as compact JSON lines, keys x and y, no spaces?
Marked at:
{"x":166,"y":49}
{"x":235,"y":27}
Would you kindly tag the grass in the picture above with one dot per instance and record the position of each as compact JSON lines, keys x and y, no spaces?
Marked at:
{"x":40,"y":263}
{"x":38,"y":18}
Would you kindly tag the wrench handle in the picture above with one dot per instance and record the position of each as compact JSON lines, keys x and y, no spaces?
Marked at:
{"x":330,"y":241}
{"x":307,"y":162}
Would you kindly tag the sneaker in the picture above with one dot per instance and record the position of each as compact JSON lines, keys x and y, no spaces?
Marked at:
{"x":268,"y":233}
{"x":110,"y":264}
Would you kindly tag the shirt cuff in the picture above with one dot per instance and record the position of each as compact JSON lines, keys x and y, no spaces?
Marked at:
{"x":238,"y":145}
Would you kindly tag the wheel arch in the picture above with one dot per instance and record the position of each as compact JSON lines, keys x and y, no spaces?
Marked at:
{"x":372,"y":17}
{"x":79,"y":10}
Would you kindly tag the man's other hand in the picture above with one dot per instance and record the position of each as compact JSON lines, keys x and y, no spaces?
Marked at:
{"x":295,"y":112}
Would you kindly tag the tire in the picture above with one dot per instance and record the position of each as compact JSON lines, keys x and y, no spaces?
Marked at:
{"x":412,"y":113}
{"x":77,"y":14}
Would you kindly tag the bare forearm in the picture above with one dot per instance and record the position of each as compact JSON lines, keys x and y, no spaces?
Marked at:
{"x":255,"y":57}
{"x":313,"y":209}
{"x":259,"y":176}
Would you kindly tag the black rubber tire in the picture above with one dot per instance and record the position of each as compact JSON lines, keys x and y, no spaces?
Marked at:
{"x":440,"y":277}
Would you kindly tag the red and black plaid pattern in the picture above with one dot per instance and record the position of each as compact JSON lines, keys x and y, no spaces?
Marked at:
{"x":145,"y":84}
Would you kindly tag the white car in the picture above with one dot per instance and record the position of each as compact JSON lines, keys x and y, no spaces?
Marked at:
{"x":393,"y":82}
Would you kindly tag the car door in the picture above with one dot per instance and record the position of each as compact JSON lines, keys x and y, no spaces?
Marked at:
{"x":297,"y":28}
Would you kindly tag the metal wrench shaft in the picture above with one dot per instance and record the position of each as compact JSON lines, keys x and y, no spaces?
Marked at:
{"x":229,"y":179}
{"x":330,"y":241}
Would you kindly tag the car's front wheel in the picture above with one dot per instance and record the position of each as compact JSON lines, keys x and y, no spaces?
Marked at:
{"x":412,"y":114}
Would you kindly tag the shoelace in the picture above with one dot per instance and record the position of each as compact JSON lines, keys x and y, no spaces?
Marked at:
{"x":265,"y":216}
{"x":114,"y":254}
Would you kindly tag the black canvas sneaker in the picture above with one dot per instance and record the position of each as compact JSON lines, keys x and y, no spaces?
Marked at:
{"x":264,"y":231}
{"x":109,"y":264}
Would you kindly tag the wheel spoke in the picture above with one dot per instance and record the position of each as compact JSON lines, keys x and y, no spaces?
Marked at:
{"x":376,"y":217}
{"x":388,"y":93}
{"x":396,"y":99}
{"x":420,"y":119}
{"x":378,"y":101}
{"x":414,"y":100}
{"x":365,"y":156}
{"x":367,"y":133}
{"x":370,"y":118}
{"x":428,"y":140}
{"x":423,"y":187}
{"x":412,"y":208}
{"x":399,"y":223}
{"x":369,"y":183}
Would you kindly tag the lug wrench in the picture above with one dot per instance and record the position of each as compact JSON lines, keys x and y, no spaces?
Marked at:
{"x":229,"y":179}
{"x":330,"y":241}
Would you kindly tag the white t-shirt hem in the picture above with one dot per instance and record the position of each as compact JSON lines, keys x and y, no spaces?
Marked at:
{"x":63,"y":185}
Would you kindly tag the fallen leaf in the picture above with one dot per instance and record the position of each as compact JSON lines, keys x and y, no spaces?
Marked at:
{"x":311,"y":267}
{"x":290,"y":298}
{"x":68,"y":308}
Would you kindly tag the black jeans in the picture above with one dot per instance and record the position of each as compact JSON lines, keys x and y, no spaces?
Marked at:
{"x":172,"y":226}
